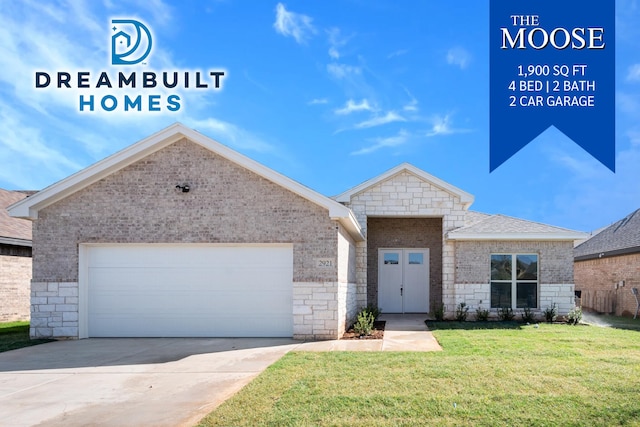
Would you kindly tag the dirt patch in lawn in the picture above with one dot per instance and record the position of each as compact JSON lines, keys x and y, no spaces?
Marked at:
{"x":377,"y":334}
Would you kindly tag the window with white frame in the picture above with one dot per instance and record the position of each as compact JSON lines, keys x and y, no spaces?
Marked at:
{"x":514,"y":280}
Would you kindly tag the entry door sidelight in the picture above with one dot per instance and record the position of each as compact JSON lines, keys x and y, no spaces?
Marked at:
{"x":403,"y":280}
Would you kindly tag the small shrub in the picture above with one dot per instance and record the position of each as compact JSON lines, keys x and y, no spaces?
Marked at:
{"x":528,"y":316}
{"x":373,"y":310}
{"x":438,"y":312}
{"x":574,"y":316}
{"x":506,"y":314}
{"x":462,"y":310}
{"x":482,"y":315}
{"x":364,"y":323}
{"x":551,"y":313}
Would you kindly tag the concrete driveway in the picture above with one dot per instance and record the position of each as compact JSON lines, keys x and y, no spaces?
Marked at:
{"x":129,"y":382}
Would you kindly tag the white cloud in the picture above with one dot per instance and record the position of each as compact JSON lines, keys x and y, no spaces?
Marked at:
{"x":341,"y":71}
{"x":336,"y":42}
{"x":161,"y":12}
{"x":398,"y":52}
{"x":634,"y":138}
{"x":390,"y":117}
{"x":256,"y":83}
{"x":591,"y":187}
{"x":458,"y":56}
{"x":392,"y":141}
{"x":230,"y":134}
{"x":627,"y":103}
{"x":412,"y":105}
{"x":20,"y":141}
{"x":634,"y":73}
{"x":351,"y":107}
{"x":293,"y":24}
{"x":443,"y":125}
{"x":318,"y":101}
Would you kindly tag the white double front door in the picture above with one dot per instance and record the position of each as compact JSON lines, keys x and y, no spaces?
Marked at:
{"x":403,"y":280}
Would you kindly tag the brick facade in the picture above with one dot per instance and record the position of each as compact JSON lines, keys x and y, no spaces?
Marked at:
{"x":226,"y":204}
{"x":599,"y":281}
{"x":334,"y":273}
{"x":473,"y":273}
{"x":15,"y":276}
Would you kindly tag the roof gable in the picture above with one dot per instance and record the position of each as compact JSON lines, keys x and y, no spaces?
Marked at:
{"x":502,"y":227}
{"x":465,"y":198}
{"x":28,"y":208}
{"x":619,"y":238}
{"x":13,"y":231}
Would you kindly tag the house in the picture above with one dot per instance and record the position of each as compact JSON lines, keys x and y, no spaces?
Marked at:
{"x":607,"y":268}
{"x":178,"y":235}
{"x":15,"y":261}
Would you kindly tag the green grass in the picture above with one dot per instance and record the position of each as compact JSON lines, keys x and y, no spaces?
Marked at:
{"x":489,"y":374}
{"x":606,"y":320}
{"x":14,"y":335}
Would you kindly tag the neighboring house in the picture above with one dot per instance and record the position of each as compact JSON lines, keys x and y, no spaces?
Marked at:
{"x":607,"y":268}
{"x":178,"y":235}
{"x":15,"y":261}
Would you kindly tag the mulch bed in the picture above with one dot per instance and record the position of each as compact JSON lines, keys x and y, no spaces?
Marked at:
{"x":377,"y":334}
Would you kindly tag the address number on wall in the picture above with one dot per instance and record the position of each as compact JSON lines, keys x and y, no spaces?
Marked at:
{"x":325,"y":263}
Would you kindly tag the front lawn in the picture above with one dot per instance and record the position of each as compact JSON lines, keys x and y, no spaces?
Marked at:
{"x":609,"y":321}
{"x":489,"y":374}
{"x":15,"y":335}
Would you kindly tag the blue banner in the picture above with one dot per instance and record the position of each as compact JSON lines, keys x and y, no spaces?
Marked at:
{"x":552,"y":63}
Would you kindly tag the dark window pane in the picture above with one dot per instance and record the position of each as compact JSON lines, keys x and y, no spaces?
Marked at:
{"x":526,"y":295}
{"x":527,"y":267}
{"x":500,"y":267}
{"x":391,"y":258}
{"x":500,"y":295}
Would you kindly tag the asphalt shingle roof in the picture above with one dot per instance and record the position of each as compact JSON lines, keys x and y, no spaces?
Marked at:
{"x":14,"y":228}
{"x":620,"y":236}
{"x":506,"y":224}
{"x":473,"y":217}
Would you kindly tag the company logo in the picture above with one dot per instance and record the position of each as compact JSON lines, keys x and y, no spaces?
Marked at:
{"x":114,"y":89}
{"x":130,"y":43}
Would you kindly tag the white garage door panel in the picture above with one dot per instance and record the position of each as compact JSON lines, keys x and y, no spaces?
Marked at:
{"x":148,"y":290}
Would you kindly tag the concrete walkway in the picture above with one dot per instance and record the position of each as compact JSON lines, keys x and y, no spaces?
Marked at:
{"x":402,"y":332}
{"x":157,"y":381}
{"x":109,"y":382}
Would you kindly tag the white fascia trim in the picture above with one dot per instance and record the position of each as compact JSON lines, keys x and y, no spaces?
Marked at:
{"x":352,"y":225}
{"x":336,"y":210}
{"x":465,"y":197}
{"x":15,"y":242}
{"x":83,"y":290}
{"x":517,"y":236}
{"x":28,"y":208}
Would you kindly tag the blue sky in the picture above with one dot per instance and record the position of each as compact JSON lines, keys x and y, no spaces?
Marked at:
{"x":328,"y":93}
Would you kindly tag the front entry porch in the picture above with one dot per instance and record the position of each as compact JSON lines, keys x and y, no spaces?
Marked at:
{"x":404,"y":264}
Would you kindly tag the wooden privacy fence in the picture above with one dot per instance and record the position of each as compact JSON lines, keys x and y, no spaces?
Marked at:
{"x":601,"y":301}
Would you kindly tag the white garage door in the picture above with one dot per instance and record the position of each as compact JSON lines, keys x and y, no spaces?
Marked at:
{"x":188,"y":291}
